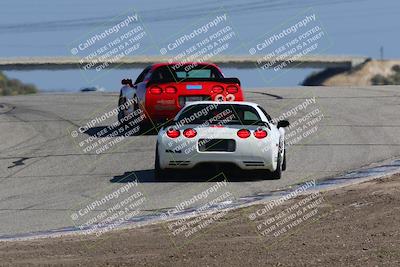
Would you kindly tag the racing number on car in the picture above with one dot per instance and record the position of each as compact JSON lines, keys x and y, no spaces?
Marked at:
{"x":230,"y":97}
{"x":220,"y":98}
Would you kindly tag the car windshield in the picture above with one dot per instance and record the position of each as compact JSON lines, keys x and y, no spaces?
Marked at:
{"x":174,"y":73}
{"x":233,"y":114}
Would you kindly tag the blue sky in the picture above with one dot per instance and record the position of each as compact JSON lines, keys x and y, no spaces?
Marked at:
{"x":46,"y":28}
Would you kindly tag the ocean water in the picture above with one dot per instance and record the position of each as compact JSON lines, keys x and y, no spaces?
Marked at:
{"x":51,"y":28}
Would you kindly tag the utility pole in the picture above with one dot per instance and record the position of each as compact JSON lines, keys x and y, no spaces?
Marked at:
{"x":381,"y":52}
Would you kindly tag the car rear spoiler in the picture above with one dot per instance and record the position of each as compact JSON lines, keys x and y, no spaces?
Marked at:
{"x":219,"y":80}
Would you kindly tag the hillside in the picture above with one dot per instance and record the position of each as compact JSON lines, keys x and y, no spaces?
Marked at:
{"x":372,"y":72}
{"x":14,"y":87}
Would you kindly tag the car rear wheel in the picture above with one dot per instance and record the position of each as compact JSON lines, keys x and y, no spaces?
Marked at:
{"x":284,"y":161}
{"x":120,"y":117}
{"x":277,"y":174}
{"x":157,"y":169}
{"x":160,"y":174}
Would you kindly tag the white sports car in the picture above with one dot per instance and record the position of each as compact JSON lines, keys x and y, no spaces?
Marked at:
{"x":240,"y":133}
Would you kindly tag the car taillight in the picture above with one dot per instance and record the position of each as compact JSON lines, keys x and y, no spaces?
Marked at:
{"x":170,"y":90}
{"x":260,"y":133}
{"x":155,"y":90}
{"x":173,"y":133}
{"x":232,"y":89}
{"x":189,"y":133}
{"x":243,"y":133}
{"x":217,"y":89}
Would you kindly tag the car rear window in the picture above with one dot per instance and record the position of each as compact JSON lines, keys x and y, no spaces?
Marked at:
{"x":219,"y":114}
{"x":174,"y":73}
{"x":202,"y":73}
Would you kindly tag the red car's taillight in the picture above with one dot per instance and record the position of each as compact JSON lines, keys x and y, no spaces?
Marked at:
{"x":173,"y":133}
{"x":260,"y":133}
{"x":243,"y":133}
{"x":155,"y":90}
{"x":170,"y":90}
{"x":232,"y":89}
{"x":189,"y":133}
{"x":217,"y":89}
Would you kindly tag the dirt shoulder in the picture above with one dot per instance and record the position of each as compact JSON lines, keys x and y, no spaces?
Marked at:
{"x":354,"y":226}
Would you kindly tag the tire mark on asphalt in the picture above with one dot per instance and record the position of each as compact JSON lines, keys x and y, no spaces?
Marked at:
{"x":19,"y":162}
{"x":86,"y":154}
{"x":346,"y":144}
{"x":38,"y":147}
{"x":42,"y":114}
{"x":23,"y":168}
{"x":5,"y":108}
{"x":268,"y":94}
{"x":18,"y":147}
{"x":353,"y":125}
{"x":101,"y":175}
{"x":344,"y":97}
{"x":55,"y":120}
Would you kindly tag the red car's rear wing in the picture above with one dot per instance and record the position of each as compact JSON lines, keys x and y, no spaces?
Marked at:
{"x":219,"y":80}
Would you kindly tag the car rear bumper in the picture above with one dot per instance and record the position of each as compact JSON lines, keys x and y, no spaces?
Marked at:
{"x":166,"y":107}
{"x":244,"y":157}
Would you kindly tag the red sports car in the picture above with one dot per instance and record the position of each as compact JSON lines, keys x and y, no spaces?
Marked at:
{"x":163,"y":89}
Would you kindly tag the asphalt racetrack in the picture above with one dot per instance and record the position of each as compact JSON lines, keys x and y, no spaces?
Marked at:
{"x":46,"y":176}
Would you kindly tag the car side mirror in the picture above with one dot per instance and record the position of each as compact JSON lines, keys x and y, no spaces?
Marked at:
{"x":126,"y":81}
{"x":283,"y":124}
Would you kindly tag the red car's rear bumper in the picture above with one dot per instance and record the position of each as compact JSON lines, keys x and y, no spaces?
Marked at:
{"x":166,"y":107}
{"x":163,"y":101}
